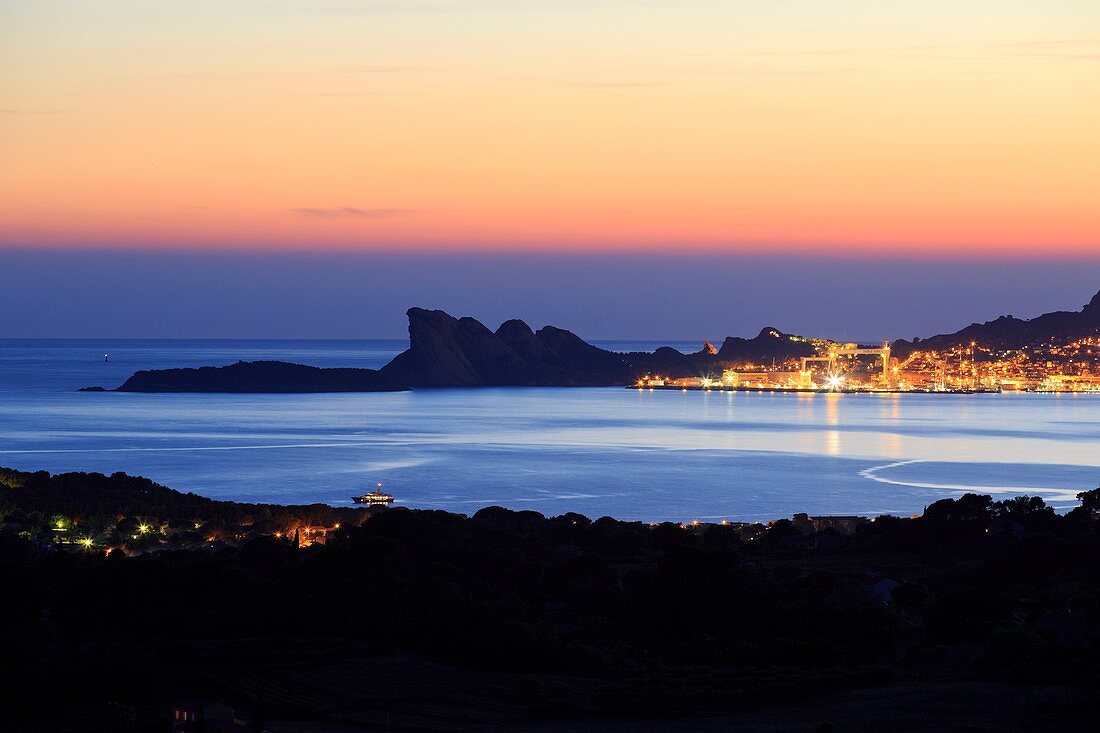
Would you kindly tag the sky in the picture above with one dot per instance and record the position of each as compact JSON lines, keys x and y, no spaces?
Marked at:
{"x":162,"y":294}
{"x":655,"y":145}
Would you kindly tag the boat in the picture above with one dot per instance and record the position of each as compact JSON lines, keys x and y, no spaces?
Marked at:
{"x":374,"y":498}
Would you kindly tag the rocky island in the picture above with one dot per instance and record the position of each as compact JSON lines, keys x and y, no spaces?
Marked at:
{"x":260,"y":376}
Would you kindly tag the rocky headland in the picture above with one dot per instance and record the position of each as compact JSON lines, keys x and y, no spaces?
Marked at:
{"x":260,"y":376}
{"x":445,"y":351}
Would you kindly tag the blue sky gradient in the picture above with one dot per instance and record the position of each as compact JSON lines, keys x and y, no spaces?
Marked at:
{"x":175,"y":294}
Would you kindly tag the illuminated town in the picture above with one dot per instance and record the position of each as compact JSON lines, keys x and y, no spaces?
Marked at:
{"x":1065,"y":366}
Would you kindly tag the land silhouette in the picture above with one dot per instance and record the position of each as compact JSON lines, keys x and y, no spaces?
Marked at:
{"x":1008,"y":332}
{"x":261,"y":377}
{"x":124,"y":598}
{"x":445,"y":351}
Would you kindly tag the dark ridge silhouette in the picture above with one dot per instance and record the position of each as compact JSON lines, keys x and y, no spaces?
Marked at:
{"x":1013,"y":333}
{"x":260,"y":376}
{"x":445,"y":351}
{"x":770,"y":343}
{"x":519,"y":336}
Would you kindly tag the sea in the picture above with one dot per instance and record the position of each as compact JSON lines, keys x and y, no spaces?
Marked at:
{"x":626,"y":453}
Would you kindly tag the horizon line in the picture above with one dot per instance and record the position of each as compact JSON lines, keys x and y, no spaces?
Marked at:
{"x":769,"y":250}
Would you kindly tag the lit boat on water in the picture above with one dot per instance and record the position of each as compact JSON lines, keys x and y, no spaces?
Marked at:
{"x":374,"y":498}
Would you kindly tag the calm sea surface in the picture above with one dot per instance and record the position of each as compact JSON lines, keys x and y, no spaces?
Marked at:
{"x":619,"y":452}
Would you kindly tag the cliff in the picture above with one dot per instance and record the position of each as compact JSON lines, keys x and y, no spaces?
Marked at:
{"x":445,"y":351}
{"x":261,"y":376}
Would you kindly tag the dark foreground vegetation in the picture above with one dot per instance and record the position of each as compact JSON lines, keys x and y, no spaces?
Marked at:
{"x":124,"y":601}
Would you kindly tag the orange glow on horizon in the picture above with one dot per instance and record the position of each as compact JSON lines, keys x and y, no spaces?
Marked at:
{"x":865,"y":130}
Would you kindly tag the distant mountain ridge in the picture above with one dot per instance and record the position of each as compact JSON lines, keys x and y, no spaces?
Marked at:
{"x":1013,"y":333}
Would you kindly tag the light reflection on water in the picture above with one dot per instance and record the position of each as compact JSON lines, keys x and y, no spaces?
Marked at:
{"x":627,"y":453}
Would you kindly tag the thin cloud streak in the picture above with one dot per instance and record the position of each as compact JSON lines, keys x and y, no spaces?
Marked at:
{"x":610,"y":84}
{"x":387,"y":70}
{"x":11,"y":111}
{"x":351,"y":212}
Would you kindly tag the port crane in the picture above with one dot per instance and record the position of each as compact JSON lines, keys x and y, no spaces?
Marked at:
{"x":882,"y":352}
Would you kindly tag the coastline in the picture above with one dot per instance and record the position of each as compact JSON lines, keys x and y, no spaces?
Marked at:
{"x":803,"y":390}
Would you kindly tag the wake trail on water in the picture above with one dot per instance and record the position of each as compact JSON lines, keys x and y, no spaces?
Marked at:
{"x":872,"y":473}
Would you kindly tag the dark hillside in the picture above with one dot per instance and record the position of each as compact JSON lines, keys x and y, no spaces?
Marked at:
{"x":510,"y":620}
